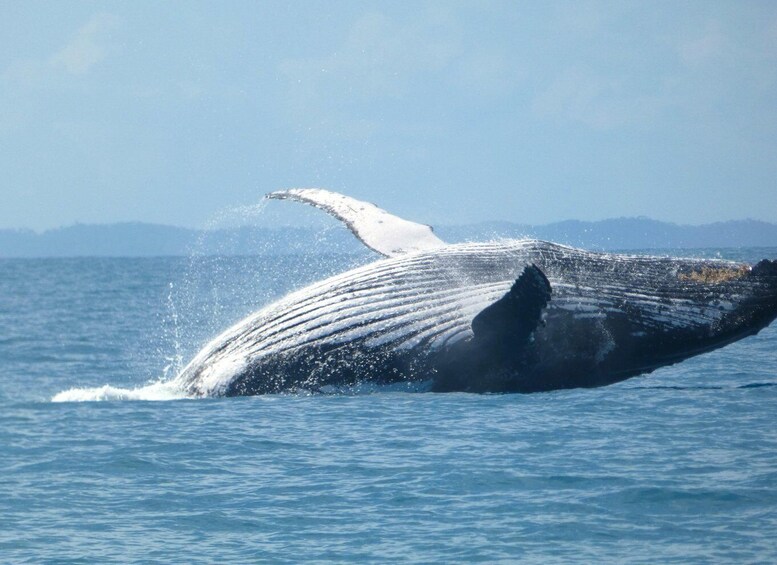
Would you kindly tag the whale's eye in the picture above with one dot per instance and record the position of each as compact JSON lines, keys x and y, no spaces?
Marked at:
{"x":714,"y":275}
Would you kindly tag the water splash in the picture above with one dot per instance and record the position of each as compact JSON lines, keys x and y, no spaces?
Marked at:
{"x":175,"y":361}
{"x":161,"y":390}
{"x":238,"y":263}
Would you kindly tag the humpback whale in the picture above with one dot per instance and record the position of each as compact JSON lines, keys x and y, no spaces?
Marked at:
{"x":501,"y":316}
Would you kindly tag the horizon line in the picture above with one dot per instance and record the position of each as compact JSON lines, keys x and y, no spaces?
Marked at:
{"x":457,"y":225}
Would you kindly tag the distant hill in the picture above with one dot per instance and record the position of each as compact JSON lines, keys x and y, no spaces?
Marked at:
{"x":627,"y":233}
{"x":139,"y":239}
{"x":125,"y":239}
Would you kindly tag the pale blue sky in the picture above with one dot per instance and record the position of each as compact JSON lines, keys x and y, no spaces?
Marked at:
{"x":443,"y":112}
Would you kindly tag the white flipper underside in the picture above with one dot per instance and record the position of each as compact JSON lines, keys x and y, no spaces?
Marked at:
{"x":377,"y":229}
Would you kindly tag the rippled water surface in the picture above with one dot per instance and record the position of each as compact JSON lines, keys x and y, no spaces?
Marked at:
{"x":679,"y":466}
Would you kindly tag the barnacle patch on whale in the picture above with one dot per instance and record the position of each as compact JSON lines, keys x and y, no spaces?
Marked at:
{"x":715,"y":275}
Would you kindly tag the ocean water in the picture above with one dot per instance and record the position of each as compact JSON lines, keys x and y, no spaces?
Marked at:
{"x":676,"y":467}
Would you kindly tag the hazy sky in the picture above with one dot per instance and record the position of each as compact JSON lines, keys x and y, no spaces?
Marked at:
{"x":443,"y":112}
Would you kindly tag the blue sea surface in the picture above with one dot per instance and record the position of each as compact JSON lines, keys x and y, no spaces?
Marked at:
{"x":676,"y":467}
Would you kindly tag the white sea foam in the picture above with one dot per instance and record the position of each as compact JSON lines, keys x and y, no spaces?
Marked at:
{"x":157,"y":391}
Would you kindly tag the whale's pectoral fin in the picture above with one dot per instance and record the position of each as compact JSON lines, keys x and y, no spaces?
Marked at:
{"x":377,"y":229}
{"x":508,"y":323}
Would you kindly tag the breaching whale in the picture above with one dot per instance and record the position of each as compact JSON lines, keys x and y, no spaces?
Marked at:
{"x":505,"y":316}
